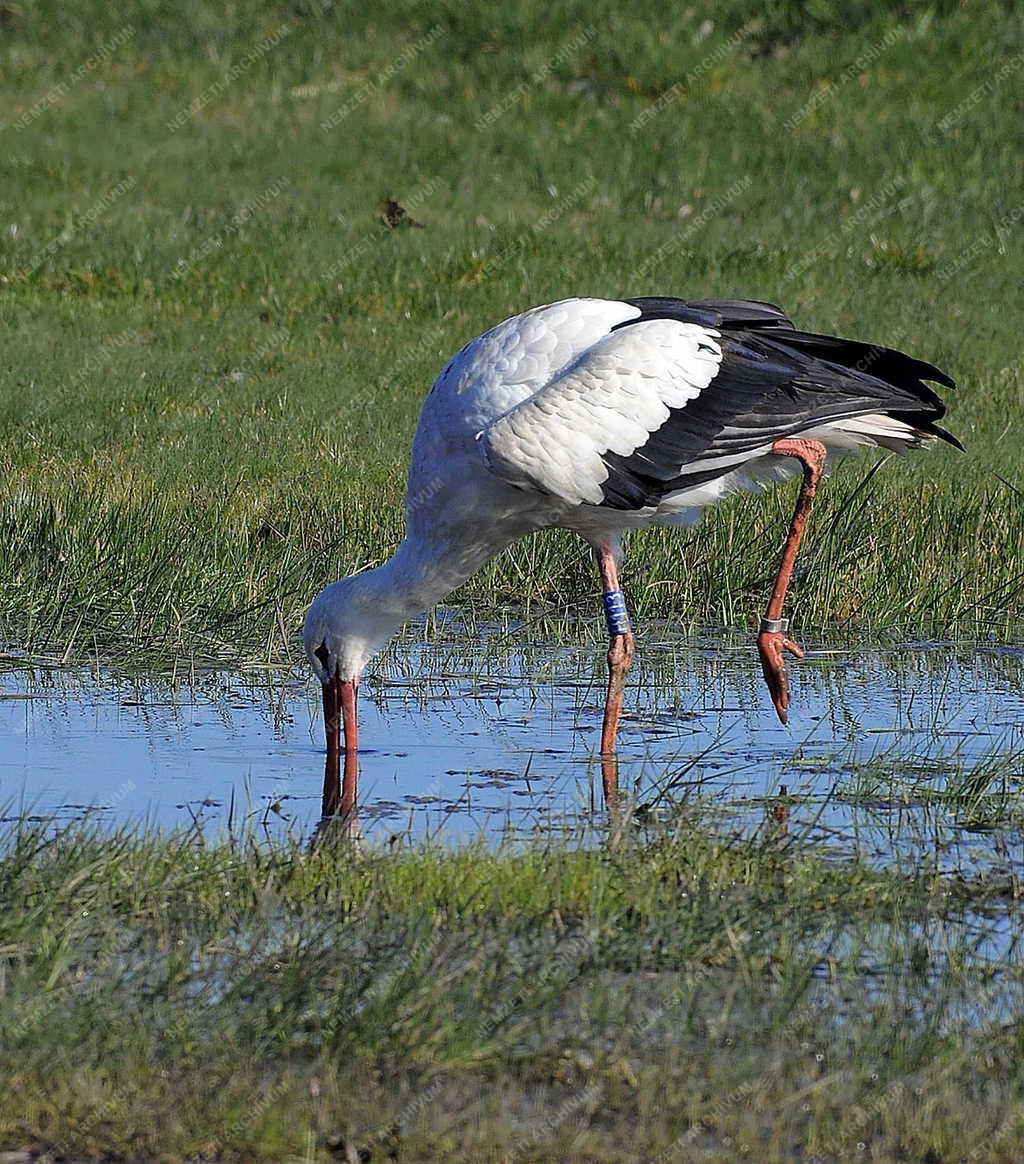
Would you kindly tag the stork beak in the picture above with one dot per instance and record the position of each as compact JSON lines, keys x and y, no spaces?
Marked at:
{"x":340,"y":715}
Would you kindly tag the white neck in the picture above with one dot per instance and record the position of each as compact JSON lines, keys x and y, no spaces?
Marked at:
{"x":418,"y":575}
{"x":358,"y":615}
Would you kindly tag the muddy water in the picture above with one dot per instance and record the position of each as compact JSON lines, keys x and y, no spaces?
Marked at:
{"x":480,"y":738}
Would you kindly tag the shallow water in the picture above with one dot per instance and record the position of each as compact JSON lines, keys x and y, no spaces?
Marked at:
{"x":488,"y":737}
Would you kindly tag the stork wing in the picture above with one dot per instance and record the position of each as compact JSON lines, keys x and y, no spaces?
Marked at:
{"x":662,"y":403}
{"x":609,"y":402}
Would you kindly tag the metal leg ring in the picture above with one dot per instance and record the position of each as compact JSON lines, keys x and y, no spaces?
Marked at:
{"x":774,"y":626}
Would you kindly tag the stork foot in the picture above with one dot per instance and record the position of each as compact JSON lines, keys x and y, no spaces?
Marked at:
{"x":772,"y":644}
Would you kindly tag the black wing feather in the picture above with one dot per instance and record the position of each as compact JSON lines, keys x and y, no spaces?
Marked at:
{"x":717,"y":313}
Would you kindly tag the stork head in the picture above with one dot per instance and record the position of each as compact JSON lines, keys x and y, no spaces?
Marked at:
{"x":330,"y":634}
{"x":345,"y":627}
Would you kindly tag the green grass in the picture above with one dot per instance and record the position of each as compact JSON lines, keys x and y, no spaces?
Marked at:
{"x":188,"y":459}
{"x":165,"y":997}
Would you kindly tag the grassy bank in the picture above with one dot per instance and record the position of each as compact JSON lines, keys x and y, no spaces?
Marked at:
{"x":215,"y":345}
{"x":664,"y":991}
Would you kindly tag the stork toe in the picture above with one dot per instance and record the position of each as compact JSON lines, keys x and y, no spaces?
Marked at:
{"x":771,"y":646}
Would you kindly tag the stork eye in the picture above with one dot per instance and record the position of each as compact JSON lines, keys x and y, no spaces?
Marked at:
{"x":322,"y":653}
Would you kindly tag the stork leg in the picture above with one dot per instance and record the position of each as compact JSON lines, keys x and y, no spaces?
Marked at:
{"x":340,"y":787}
{"x":773,"y":641}
{"x":620,"y":655}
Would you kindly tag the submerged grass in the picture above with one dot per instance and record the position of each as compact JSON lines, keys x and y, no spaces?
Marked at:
{"x":210,"y":381}
{"x":981,"y":792}
{"x":668,"y":990}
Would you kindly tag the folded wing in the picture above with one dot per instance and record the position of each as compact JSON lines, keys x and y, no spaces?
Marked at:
{"x":688,"y":391}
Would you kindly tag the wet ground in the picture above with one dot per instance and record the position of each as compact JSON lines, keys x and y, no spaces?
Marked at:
{"x":909,"y":752}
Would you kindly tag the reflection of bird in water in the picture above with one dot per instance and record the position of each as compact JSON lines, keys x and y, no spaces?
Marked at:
{"x":778,"y":810}
{"x":602,"y":416}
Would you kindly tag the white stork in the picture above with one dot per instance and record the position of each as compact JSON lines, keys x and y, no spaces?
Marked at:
{"x":602,"y":416}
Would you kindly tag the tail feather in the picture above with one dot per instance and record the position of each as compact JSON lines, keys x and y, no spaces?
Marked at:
{"x":928,"y":428}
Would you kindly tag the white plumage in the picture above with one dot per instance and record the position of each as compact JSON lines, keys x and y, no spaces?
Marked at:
{"x":609,"y":399}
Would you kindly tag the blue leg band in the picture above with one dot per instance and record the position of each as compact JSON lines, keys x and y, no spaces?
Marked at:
{"x":615,"y":613}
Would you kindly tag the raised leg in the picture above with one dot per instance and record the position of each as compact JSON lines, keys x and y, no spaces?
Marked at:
{"x":620,"y":655}
{"x":340,"y":788}
{"x":773,"y":640}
